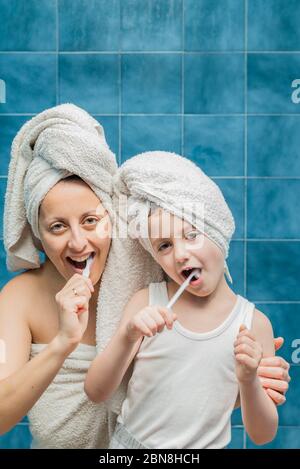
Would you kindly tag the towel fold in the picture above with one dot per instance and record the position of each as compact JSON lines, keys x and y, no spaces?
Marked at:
{"x":63,"y":417}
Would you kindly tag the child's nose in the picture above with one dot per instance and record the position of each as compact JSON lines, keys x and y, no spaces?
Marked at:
{"x":181,"y":253}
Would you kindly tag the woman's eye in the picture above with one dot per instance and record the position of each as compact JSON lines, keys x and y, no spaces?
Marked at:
{"x":56,"y":227}
{"x":91,"y":220}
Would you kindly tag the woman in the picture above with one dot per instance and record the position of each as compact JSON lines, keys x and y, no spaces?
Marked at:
{"x":54,"y":314}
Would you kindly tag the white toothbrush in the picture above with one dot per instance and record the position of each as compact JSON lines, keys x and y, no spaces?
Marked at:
{"x":194,"y":273}
{"x":86,"y":270}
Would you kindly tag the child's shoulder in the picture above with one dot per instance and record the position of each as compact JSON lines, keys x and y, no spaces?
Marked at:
{"x":261,"y":321}
{"x":139,"y":300}
{"x":141,"y":297}
{"x":263,"y":332}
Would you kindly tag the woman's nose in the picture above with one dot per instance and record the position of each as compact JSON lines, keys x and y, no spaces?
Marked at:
{"x":77,"y":241}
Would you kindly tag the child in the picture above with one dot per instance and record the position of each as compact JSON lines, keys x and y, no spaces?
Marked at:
{"x":193,"y":363}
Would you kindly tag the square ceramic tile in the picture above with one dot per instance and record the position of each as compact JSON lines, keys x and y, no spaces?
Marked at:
{"x":214,"y":25}
{"x":89,"y":25}
{"x":28,"y":25}
{"x":214,"y":83}
{"x":151,"y":83}
{"x":151,"y":25}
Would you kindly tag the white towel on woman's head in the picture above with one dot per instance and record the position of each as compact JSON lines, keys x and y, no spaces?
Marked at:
{"x":178,"y":186}
{"x":58,"y":142}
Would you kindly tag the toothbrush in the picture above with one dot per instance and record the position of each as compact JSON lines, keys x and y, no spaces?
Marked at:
{"x":86,"y":270}
{"x":180,"y":290}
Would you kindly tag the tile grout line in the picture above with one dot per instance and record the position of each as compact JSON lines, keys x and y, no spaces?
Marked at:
{"x":182,"y":78}
{"x":120,"y":92}
{"x":57,"y":53}
{"x":245,"y":146}
{"x":147,"y":52}
{"x":11,"y":114}
{"x":245,"y":166}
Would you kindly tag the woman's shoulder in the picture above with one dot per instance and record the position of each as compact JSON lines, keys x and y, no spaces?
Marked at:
{"x":20,"y":290}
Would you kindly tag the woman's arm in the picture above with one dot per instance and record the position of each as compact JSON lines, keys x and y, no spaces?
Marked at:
{"x":22,"y":382}
{"x":259,"y":412}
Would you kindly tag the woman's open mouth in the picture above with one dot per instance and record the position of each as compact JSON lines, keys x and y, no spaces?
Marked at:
{"x":79,"y":264}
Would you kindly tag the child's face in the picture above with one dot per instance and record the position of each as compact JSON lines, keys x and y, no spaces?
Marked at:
{"x":178,"y":246}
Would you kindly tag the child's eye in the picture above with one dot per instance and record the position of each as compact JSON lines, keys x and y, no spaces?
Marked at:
{"x":163,"y":246}
{"x":192,"y":235}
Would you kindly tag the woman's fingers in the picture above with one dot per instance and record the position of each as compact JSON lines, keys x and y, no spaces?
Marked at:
{"x":275,"y":361}
{"x":278,"y":342}
{"x":275,"y":384}
{"x":277,"y":397}
{"x":274,"y":372}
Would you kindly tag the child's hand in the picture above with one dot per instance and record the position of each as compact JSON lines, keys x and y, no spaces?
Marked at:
{"x":248,"y":354}
{"x":149,"y":321}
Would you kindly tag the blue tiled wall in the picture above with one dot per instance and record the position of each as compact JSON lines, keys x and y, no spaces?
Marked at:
{"x":211,"y":79}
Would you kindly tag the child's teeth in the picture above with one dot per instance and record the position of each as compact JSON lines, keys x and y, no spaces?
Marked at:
{"x":197,"y":273}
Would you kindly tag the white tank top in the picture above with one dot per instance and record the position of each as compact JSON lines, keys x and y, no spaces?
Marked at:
{"x":183,"y":388}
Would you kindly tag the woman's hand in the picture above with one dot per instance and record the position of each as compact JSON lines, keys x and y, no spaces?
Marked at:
{"x":148,"y":322}
{"x":73,"y":304}
{"x":274,"y":375}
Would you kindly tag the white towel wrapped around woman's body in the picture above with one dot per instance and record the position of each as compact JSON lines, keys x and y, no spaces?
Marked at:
{"x":69,"y":420}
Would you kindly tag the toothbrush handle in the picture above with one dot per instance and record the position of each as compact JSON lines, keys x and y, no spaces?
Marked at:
{"x":179,"y":291}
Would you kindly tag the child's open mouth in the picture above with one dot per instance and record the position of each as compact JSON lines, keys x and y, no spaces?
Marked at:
{"x":196,"y":279}
{"x":79,"y":263}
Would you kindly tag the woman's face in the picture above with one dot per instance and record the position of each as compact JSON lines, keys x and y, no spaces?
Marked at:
{"x":74,"y":225}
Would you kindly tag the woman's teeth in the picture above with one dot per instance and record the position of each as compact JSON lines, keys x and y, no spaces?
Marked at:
{"x":79,"y":263}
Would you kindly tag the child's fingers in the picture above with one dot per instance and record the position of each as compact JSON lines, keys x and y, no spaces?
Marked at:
{"x":244,"y":340}
{"x":158,"y":319}
{"x":168,"y":316}
{"x":242,"y":328}
{"x":142,"y":327}
{"x":246,"y":360}
{"x":245,"y":332}
{"x":246,"y":350}
{"x":150,"y":323}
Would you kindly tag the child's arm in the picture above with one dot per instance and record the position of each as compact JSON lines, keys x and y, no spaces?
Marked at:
{"x":109,"y":367}
{"x":259,"y":412}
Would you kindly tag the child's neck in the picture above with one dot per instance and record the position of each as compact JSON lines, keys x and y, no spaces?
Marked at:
{"x":203,"y":314}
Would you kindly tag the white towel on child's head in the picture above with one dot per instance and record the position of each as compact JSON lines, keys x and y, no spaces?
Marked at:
{"x":58,"y":142}
{"x":178,"y":186}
